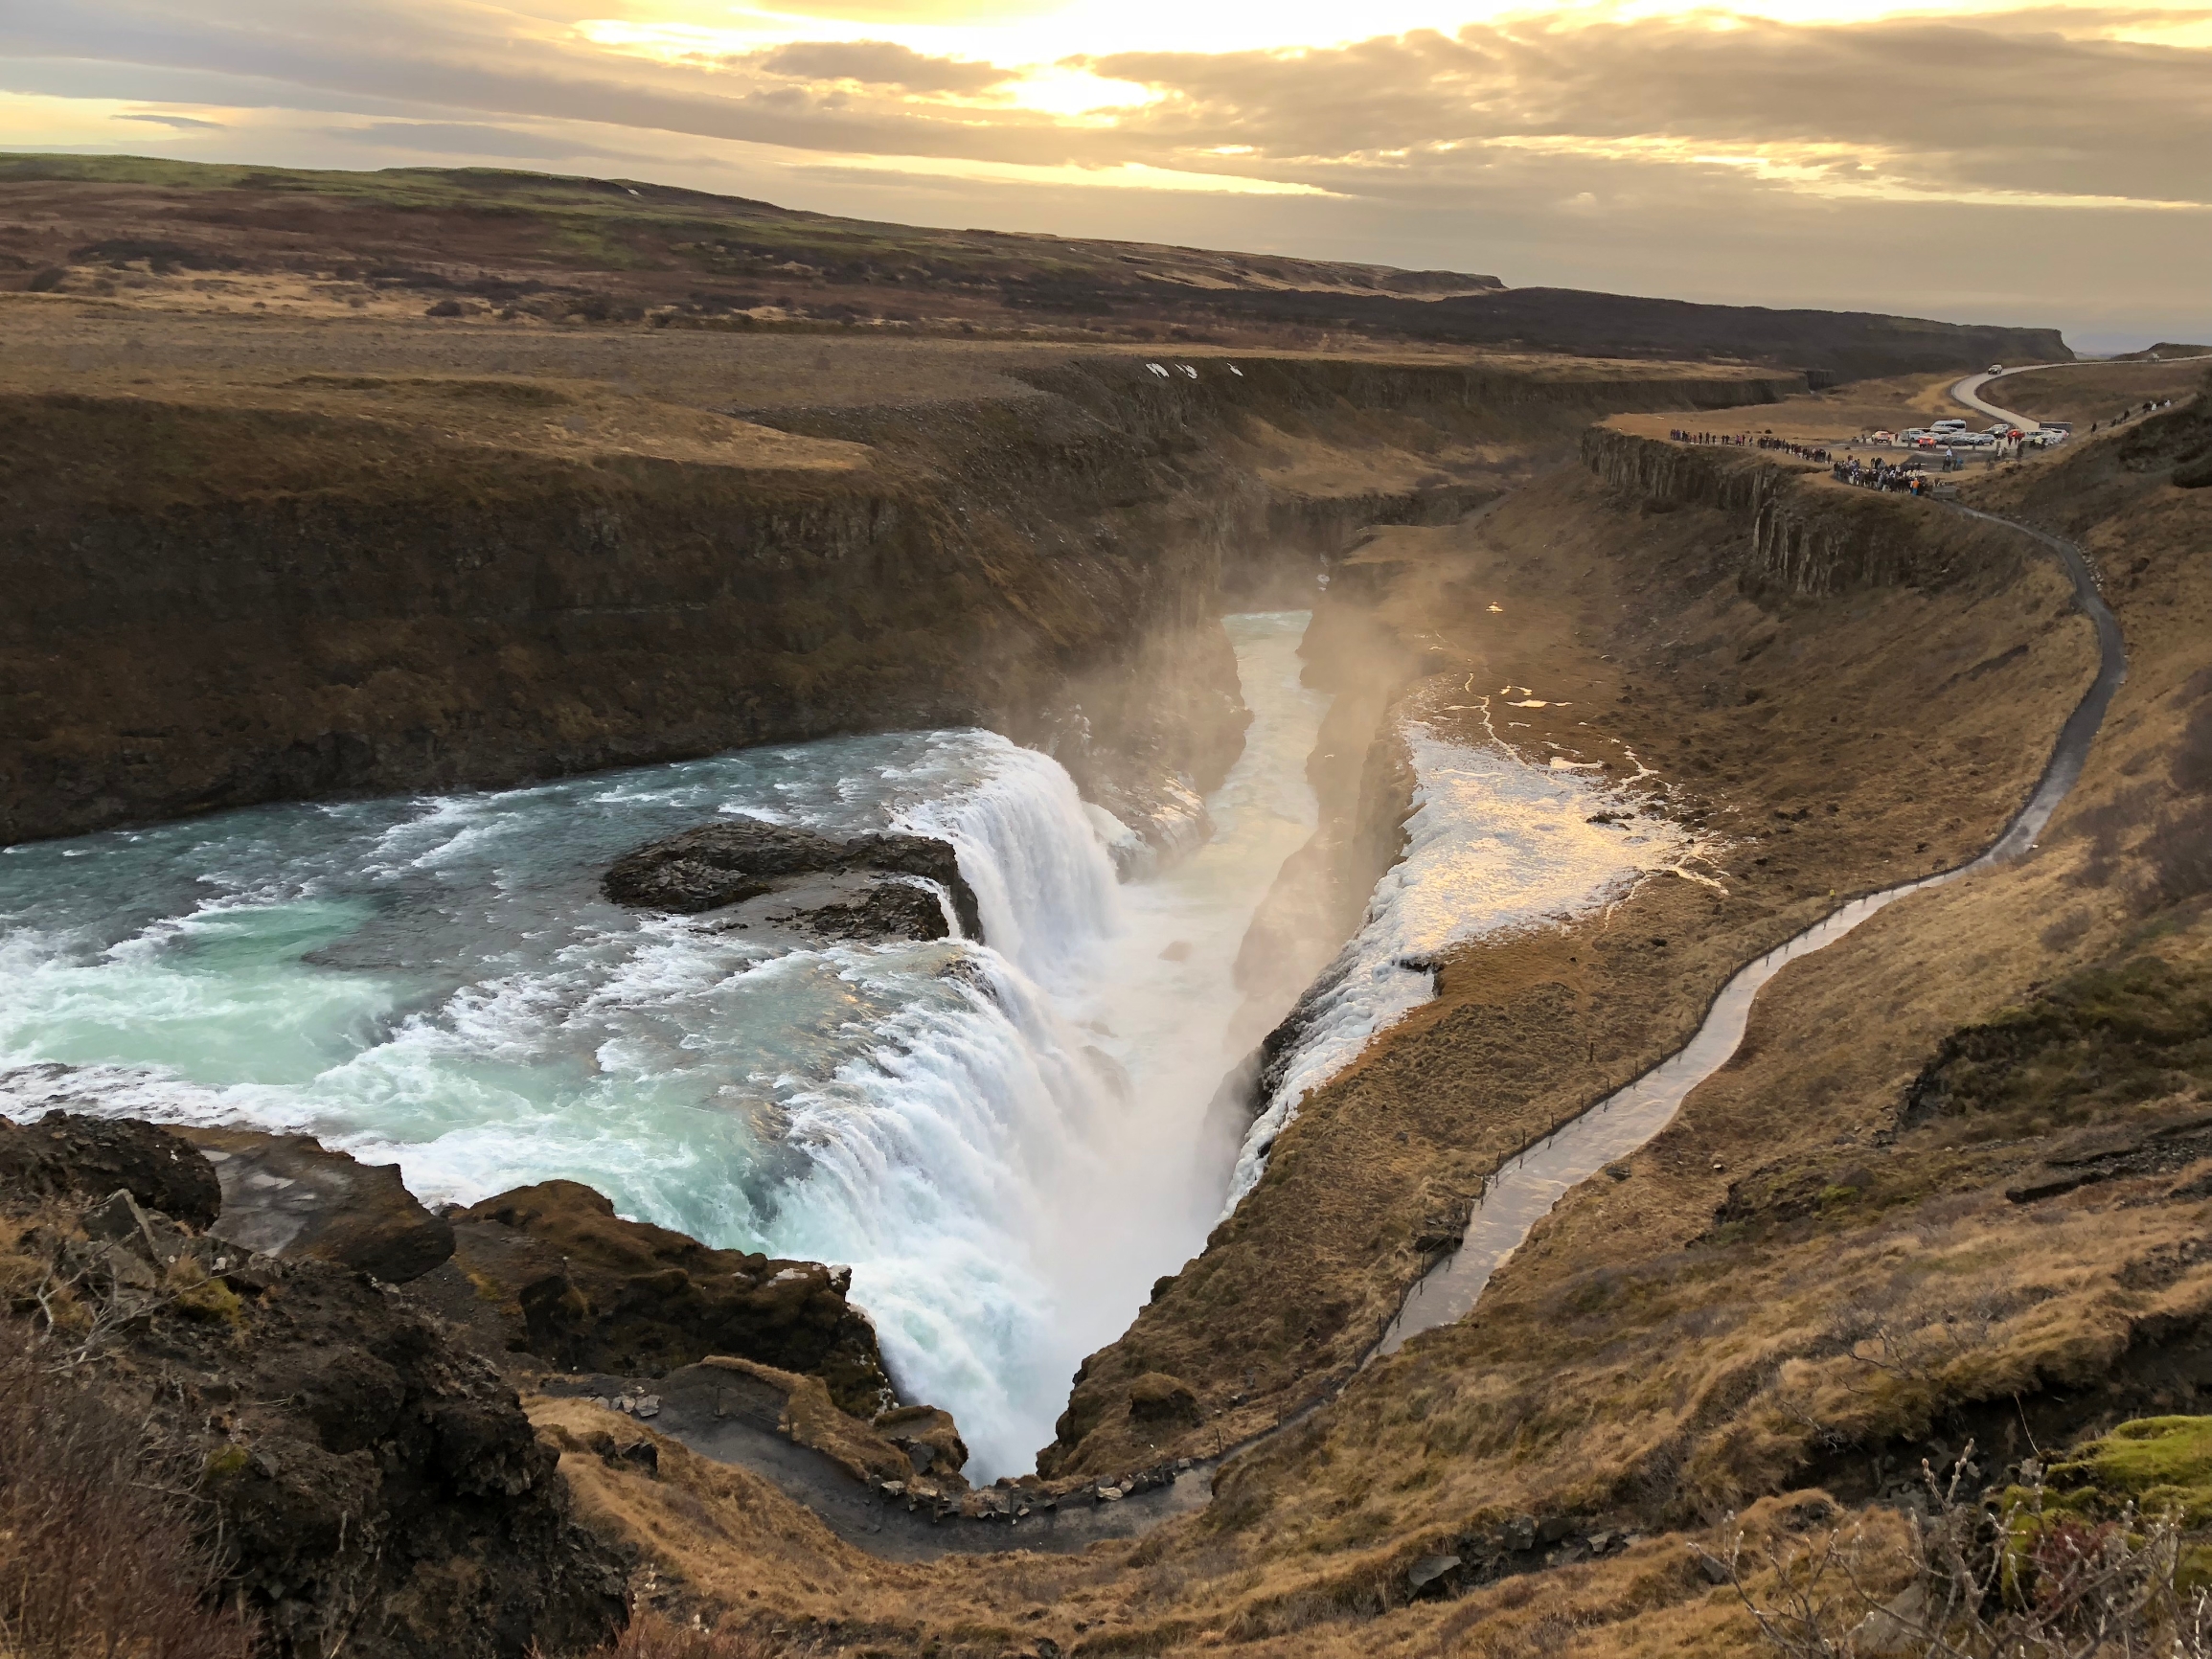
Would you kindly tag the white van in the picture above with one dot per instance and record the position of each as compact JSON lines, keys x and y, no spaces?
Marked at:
{"x":1949,"y":426}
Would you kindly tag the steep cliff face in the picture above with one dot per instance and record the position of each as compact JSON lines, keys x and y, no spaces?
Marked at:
{"x":1806,"y":538}
{"x":1831,"y":685}
{"x":372,"y":1485}
{"x":216,"y":604}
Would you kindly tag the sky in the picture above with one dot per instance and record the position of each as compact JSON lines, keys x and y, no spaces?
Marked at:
{"x":1977,"y":161}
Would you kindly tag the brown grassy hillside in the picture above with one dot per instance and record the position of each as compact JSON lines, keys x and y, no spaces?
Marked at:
{"x":482,"y":244}
{"x":1952,"y":1187}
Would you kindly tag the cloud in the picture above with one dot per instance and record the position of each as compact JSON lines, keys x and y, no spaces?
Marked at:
{"x":2043,"y":157}
{"x":1926,"y":108}
{"x":474,"y":138}
{"x":1933,"y":106}
{"x":882,"y":63}
{"x":182,"y":122}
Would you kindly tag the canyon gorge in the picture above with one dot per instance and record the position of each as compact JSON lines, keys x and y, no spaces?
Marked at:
{"x":888,"y":989}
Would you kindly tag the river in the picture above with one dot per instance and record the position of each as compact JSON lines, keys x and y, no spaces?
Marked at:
{"x":1008,"y":1144}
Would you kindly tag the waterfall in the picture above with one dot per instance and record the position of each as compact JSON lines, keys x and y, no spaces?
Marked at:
{"x":1043,"y":879}
{"x":944,"y":1161}
{"x":1002,"y":1138}
{"x":945,"y":1155}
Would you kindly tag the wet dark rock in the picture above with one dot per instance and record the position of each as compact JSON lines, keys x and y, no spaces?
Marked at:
{"x":888,"y":910}
{"x":566,"y":1280}
{"x":286,"y":1196}
{"x":377,"y":1488}
{"x":726,"y":863}
{"x":64,"y":1154}
{"x":117,"y":1219}
{"x":638,"y":1454}
{"x":1439,"y":1233}
{"x":1431,"y":1571}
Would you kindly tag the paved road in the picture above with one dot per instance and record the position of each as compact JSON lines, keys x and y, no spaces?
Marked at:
{"x":717,"y":1417}
{"x":695,"y":1411}
{"x":1966,"y":392}
{"x":1963,"y":392}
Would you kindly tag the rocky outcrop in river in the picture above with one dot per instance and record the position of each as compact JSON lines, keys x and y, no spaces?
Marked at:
{"x":729,"y":863}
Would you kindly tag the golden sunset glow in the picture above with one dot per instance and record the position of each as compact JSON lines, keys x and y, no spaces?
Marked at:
{"x":1792,"y":149}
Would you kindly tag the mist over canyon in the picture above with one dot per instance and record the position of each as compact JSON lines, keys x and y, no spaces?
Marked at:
{"x":1174,"y":953}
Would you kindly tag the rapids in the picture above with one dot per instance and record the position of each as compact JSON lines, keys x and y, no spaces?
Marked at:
{"x":1495,"y":845}
{"x":1006,"y":1144}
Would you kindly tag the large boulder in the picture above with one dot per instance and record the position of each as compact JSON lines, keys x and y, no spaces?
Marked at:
{"x":583,"y":1288}
{"x":374,"y":1486}
{"x":65,"y":1153}
{"x":286,"y":1195}
{"x":929,"y":1437}
{"x":732,"y":861}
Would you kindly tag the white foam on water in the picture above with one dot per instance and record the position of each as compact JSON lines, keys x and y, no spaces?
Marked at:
{"x":1043,"y":881}
{"x":997,"y":1139}
{"x":1495,"y":845}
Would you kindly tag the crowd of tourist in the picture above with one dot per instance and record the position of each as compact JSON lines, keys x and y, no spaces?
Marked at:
{"x":1750,"y":441}
{"x":1876,"y":473}
{"x":1873,"y":471}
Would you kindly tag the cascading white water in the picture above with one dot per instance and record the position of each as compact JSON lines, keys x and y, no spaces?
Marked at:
{"x":1043,"y":882}
{"x":1002,"y":1142}
{"x":1493,"y":844}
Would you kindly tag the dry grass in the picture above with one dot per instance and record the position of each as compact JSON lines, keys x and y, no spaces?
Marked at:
{"x":1852,"y":1282}
{"x":1829,"y":745}
{"x":99,"y":1556}
{"x":2095,"y":392}
{"x":652,"y":1635}
{"x":728,"y":1534}
{"x":1682,"y":1341}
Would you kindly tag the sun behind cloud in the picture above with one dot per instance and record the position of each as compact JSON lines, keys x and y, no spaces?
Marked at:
{"x":1988,"y":156}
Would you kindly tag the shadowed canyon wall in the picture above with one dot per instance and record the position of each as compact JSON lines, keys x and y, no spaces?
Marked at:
{"x":216,"y":605}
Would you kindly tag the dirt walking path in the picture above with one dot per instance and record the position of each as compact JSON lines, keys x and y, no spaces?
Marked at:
{"x":1518,"y":1196}
{"x":1524,"y":1191}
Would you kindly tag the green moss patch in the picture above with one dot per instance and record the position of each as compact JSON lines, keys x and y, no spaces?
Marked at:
{"x":2163,"y":1463}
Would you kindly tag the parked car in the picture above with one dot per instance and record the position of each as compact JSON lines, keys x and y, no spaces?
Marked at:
{"x":1949,"y":426}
